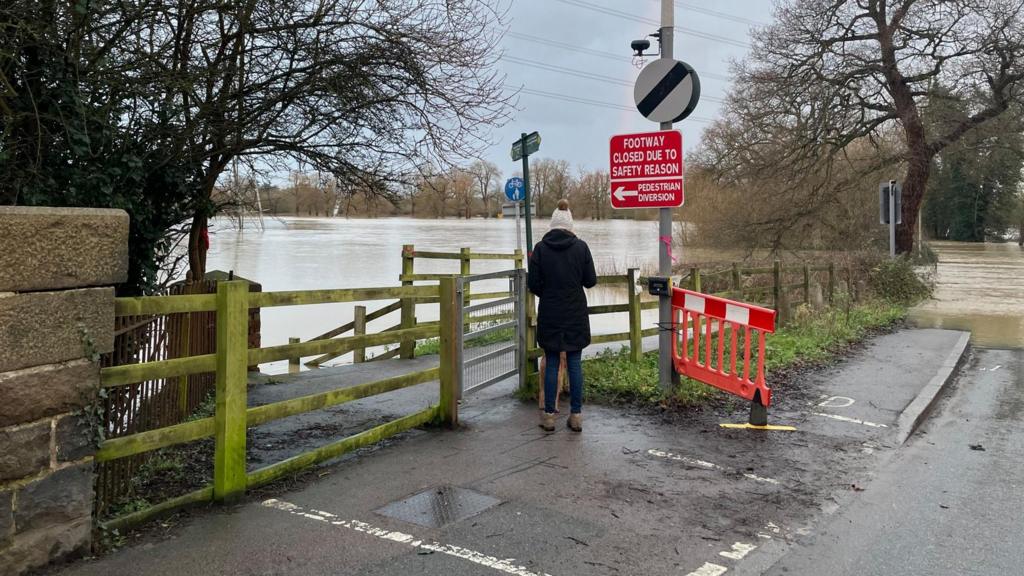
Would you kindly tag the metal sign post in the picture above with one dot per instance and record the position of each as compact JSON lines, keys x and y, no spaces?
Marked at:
{"x":514,"y":192}
{"x":890,"y":204}
{"x":519,"y":227}
{"x":892,"y":218}
{"x":667,"y":376}
{"x":522,"y":148}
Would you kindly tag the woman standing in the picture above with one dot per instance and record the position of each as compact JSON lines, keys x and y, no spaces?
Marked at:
{"x":561,"y":266}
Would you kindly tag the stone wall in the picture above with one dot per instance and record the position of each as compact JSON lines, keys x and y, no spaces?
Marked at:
{"x":57,"y":267}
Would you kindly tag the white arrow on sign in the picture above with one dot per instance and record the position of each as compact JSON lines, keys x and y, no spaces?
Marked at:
{"x":621,"y":193}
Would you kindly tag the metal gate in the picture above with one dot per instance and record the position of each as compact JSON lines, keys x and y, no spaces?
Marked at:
{"x":491,"y":340}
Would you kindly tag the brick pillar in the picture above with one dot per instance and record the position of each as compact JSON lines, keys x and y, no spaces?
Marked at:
{"x":57,"y":266}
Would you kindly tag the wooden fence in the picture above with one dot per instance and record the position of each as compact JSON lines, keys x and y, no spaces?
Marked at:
{"x":155,"y":402}
{"x":231,"y":306}
{"x":407,"y":306}
{"x":767,"y":285}
{"x":158,"y":381}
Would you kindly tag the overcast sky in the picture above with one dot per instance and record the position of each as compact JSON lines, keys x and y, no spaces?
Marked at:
{"x":708,"y":35}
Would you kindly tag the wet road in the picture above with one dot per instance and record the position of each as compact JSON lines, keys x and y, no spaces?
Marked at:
{"x":940,"y":507}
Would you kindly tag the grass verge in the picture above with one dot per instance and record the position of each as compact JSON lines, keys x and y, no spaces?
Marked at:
{"x":812,"y":337}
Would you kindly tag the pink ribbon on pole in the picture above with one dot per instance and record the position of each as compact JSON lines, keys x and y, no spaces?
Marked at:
{"x":667,"y":240}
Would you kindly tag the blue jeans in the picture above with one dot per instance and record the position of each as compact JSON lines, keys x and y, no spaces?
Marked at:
{"x":575,"y":367}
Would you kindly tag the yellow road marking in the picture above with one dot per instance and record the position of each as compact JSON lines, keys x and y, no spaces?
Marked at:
{"x":752,"y":427}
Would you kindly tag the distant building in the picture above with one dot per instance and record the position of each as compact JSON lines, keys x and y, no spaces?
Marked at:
{"x":508,"y":209}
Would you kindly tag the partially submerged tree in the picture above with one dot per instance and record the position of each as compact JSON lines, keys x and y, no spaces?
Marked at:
{"x":487,"y":176}
{"x":973,"y":192}
{"x":829,"y":74}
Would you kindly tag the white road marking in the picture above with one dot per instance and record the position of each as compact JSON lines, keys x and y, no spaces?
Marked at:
{"x":837,"y":402}
{"x":998,"y":366}
{"x":851,"y":420}
{"x":739,"y":550}
{"x":706,"y":464}
{"x":709,"y":569}
{"x":506,"y":565}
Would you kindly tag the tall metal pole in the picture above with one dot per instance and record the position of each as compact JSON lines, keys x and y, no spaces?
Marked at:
{"x":666,"y":373}
{"x":526,"y":195}
{"x":519,"y":226}
{"x":892,"y":218}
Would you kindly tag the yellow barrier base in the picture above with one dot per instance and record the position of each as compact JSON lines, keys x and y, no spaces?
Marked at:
{"x":752,"y":427}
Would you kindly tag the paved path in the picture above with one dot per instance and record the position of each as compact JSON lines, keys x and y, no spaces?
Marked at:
{"x":280,"y":439}
{"x":636,"y":493}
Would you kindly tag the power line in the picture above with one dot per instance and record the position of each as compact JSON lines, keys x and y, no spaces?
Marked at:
{"x":719,"y":14}
{"x":587,"y":101}
{"x":655,"y":23}
{"x":585,"y":75}
{"x":568,"y":71}
{"x":598,"y":53}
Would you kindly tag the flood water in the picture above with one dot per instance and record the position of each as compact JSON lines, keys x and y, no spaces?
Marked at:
{"x":978,"y":287}
{"x":318,"y":253}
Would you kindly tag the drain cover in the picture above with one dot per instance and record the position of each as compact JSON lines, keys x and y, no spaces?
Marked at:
{"x":439,"y":506}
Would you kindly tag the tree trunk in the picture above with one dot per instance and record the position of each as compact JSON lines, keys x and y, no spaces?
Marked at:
{"x":914,"y":186}
{"x":197,"y":247}
{"x":1020,"y":227}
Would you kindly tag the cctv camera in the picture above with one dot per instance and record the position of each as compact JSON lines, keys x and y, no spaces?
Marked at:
{"x":639,"y":46}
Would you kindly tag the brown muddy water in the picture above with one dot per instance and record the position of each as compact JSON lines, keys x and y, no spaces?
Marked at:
{"x":978,"y":287}
{"x":316,"y":253}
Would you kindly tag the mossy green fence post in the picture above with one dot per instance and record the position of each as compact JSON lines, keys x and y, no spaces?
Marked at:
{"x":695,"y":278}
{"x":807,"y":284}
{"x":294,"y":363}
{"x":448,"y":411}
{"x":776,"y":285}
{"x":737,"y":282}
{"x":359,"y":329}
{"x":232,"y":362}
{"x":831,"y":282}
{"x":464,"y":270}
{"x":636,"y":345}
{"x":408,"y":345}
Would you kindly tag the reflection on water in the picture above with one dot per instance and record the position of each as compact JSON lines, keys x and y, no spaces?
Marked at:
{"x":313,"y":253}
{"x":979,"y":287}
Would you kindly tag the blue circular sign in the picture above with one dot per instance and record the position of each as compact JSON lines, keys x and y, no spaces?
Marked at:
{"x":514,"y":189}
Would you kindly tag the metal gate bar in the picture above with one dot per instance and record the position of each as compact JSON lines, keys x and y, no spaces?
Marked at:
{"x":491,"y":338}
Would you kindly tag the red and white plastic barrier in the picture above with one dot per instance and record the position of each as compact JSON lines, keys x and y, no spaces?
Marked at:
{"x":743,"y":326}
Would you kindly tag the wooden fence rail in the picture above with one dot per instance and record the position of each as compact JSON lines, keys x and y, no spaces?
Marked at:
{"x":230,"y":361}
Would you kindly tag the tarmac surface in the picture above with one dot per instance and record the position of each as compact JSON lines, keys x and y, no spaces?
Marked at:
{"x":949,"y":503}
{"x":636,"y":493}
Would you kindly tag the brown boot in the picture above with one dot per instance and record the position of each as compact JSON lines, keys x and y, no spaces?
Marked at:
{"x":575,"y":422}
{"x":547,"y":422}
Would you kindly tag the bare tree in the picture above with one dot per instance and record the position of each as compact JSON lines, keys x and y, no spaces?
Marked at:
{"x":359,"y":90}
{"x":487,"y":176}
{"x":829,"y":74}
{"x":440,"y":187}
{"x":549,"y":182}
{"x":591,"y":194}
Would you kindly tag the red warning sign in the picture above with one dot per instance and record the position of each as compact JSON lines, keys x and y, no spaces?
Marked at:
{"x":646,"y":170}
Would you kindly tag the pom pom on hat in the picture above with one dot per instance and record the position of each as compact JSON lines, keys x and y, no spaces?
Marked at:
{"x":561,"y":218}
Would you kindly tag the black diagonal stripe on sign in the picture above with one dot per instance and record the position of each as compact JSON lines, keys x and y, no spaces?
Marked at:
{"x":662,"y":89}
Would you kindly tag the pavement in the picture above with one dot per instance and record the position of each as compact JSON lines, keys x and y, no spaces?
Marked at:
{"x":280,"y":439}
{"x":636,"y":493}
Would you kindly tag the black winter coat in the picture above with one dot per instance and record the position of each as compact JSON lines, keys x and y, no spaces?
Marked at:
{"x":560,"y":268}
